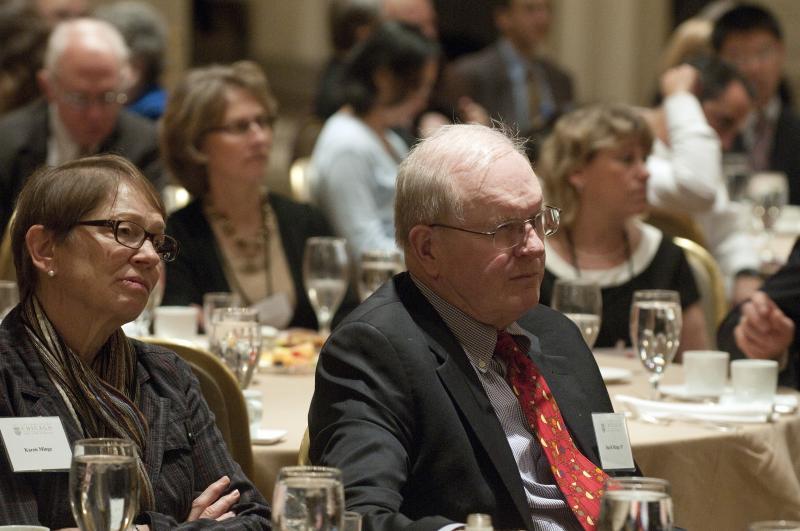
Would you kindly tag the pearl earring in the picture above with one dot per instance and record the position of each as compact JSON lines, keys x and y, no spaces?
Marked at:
{"x":51,"y":273}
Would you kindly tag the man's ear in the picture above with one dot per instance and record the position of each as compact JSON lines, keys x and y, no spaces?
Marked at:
{"x":41,"y":247}
{"x":577,"y":179}
{"x":424,"y":249}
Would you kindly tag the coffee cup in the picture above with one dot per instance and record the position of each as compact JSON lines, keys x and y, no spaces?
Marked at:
{"x":176,"y":322}
{"x":705,"y":372}
{"x":754,"y":380}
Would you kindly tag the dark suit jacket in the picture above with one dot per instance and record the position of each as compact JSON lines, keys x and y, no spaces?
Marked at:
{"x":198,"y":267}
{"x":784,"y":288}
{"x":23,"y":149}
{"x":785,"y":154}
{"x":398,"y":407}
{"x":184,"y":452}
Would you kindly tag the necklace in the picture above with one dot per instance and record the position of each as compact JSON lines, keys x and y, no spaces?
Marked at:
{"x":573,"y":254}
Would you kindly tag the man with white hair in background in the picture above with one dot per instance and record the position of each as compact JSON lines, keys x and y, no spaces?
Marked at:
{"x":83,"y":82}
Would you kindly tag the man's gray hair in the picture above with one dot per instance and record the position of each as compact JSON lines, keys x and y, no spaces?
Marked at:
{"x":88,"y":30}
{"x":426,"y":189}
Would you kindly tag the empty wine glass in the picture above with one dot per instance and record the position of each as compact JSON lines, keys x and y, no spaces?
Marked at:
{"x":582,"y":302}
{"x":308,"y":498}
{"x":217,"y":299}
{"x":629,"y":503}
{"x":325,"y":273}
{"x":376,"y":268}
{"x":9,"y":297}
{"x":656,"y":324}
{"x":236,"y":339}
{"x":104,"y":484}
{"x":769,"y":193}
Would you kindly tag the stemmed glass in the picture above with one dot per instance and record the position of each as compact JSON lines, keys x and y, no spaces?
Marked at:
{"x":325,"y":273}
{"x":376,"y":268}
{"x":104,"y":484}
{"x":236,"y":339}
{"x":217,"y":299}
{"x":582,"y":302}
{"x":656,"y":324}
{"x":9,"y":297}
{"x":769,"y":193}
{"x":637,"y":503}
{"x":308,"y":498}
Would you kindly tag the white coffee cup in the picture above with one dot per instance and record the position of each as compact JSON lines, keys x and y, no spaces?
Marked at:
{"x":175,"y":321}
{"x":23,"y":527}
{"x":754,"y":380}
{"x":705,"y":372}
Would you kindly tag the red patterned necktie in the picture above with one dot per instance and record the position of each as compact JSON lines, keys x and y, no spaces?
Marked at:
{"x":579,"y":479}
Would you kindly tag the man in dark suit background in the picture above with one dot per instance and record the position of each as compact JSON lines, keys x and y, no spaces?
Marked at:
{"x":83,"y":81}
{"x":750,"y":37}
{"x":410,"y":401}
{"x":509,"y":78}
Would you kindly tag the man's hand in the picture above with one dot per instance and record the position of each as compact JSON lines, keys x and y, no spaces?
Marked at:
{"x":212,"y":504}
{"x":763,"y":331}
{"x":680,"y":78}
{"x":744,"y":286}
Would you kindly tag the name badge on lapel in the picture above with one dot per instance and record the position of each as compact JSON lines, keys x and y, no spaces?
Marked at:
{"x":35,"y":444}
{"x":613,"y":442}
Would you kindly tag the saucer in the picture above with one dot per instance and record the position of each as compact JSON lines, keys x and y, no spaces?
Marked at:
{"x":615,"y":375}
{"x":267,"y":436}
{"x":681,"y":392}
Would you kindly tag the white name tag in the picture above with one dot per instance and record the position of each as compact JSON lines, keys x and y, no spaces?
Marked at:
{"x":611,"y":431}
{"x":35,"y":444}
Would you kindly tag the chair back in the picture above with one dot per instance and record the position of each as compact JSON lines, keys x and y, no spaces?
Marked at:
{"x":301,"y":180}
{"x":221,"y":391}
{"x":303,"y":458}
{"x":675,"y":224}
{"x":7,"y":270}
{"x":709,"y":281}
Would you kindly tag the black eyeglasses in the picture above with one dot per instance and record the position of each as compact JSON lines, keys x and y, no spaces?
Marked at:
{"x":132,"y":235}
{"x":245,"y":125}
{"x":512,"y":233}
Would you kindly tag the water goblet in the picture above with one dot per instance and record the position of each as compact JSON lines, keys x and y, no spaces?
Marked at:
{"x":236,"y":339}
{"x":639,"y":503}
{"x":325,"y":274}
{"x":217,"y":299}
{"x":9,"y":297}
{"x":655,"y":328}
{"x":769,"y":193}
{"x":376,"y":268}
{"x":582,"y":302}
{"x":308,"y":498}
{"x":104,"y":484}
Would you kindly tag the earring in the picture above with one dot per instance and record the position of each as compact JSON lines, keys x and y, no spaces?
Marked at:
{"x":51,"y":273}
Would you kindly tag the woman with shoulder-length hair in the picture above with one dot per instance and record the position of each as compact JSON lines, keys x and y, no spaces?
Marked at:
{"x":593,"y":167}
{"x":88,"y":242}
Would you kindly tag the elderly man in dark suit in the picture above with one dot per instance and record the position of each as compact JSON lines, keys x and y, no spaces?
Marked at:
{"x":416,"y":391}
{"x":509,"y":78}
{"x":83,"y":81}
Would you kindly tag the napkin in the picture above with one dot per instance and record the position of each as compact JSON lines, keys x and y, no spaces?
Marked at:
{"x":734,"y":412}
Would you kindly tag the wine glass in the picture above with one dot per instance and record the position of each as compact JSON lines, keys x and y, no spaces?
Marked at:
{"x":376,"y":268}
{"x":217,"y":299}
{"x":582,"y":302}
{"x":656,"y":324}
{"x":308,"y":498}
{"x":769,"y":193}
{"x":236,"y":339}
{"x":325,"y":273}
{"x":104,"y":484}
{"x":9,"y":297}
{"x":637,"y":503}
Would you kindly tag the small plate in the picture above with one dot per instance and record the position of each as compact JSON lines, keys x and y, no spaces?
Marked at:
{"x":267,"y":436}
{"x":615,"y":375}
{"x":680,"y":392}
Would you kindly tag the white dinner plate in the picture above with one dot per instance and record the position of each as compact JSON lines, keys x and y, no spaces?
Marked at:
{"x":681,"y":392}
{"x":267,"y":436}
{"x":615,"y":375}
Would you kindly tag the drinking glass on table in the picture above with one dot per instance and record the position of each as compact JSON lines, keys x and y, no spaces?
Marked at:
{"x":217,"y":299}
{"x":376,"y":268}
{"x":769,"y":193}
{"x":9,"y":297}
{"x":656,"y":323}
{"x":639,"y":503}
{"x":325,"y":274}
{"x":582,"y":302}
{"x":308,"y":498}
{"x":104,"y":484}
{"x":236,"y":339}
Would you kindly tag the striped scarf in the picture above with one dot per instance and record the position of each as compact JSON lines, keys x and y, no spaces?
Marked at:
{"x":102,"y":397}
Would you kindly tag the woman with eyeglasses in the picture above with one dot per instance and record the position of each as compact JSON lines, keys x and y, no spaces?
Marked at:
{"x":88,"y":243}
{"x":237,"y":236}
{"x":593,"y":167}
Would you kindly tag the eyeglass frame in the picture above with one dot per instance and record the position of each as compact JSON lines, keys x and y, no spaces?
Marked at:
{"x":529,"y":221}
{"x":113,"y":224}
{"x":244,"y":126}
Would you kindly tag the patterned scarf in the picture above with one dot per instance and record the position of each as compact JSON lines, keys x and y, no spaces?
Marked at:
{"x":102,"y":397}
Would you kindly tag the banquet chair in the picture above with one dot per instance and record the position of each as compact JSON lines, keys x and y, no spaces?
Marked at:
{"x":7,"y":271}
{"x":301,"y":179}
{"x":302,"y":454}
{"x":709,"y":281}
{"x":221,"y":392}
{"x":674,"y":224}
